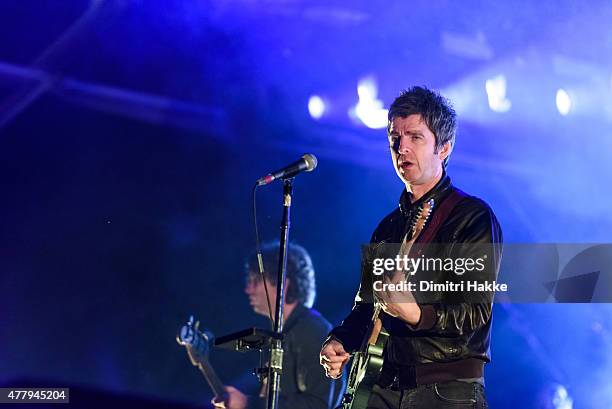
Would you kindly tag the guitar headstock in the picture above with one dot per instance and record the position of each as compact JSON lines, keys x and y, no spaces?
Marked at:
{"x":197,"y":342}
{"x":425,"y":211}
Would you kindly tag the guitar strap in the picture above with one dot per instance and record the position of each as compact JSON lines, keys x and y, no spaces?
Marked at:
{"x":425,"y":236}
{"x":440,"y":215}
{"x":424,"y":230}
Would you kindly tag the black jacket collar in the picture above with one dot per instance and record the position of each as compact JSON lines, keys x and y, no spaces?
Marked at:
{"x":440,"y":189}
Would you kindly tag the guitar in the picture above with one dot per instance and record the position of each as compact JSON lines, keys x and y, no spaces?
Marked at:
{"x":367,"y":361}
{"x":365,"y":366}
{"x":197,"y":344}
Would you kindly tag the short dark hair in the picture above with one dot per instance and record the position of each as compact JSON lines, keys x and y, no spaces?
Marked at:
{"x":436,"y":111}
{"x":300,"y":272}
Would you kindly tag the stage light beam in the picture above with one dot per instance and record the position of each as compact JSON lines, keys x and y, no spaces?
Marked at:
{"x":316,"y":106}
{"x":563,"y":101}
{"x":496,"y":94}
{"x":561,"y":399}
{"x":369,"y":110}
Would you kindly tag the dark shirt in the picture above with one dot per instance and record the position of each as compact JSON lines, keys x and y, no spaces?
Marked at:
{"x":303,"y":382}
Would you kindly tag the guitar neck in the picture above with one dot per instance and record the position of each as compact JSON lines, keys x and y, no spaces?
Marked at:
{"x":372,"y":330}
{"x":211,"y":377}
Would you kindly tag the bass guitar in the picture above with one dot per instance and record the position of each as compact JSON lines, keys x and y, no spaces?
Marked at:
{"x":197,"y":343}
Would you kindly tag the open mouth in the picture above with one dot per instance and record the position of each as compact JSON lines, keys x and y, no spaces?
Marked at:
{"x":405,"y":164}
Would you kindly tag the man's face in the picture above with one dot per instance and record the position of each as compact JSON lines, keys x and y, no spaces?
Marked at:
{"x":254,"y":288}
{"x":413,"y":150}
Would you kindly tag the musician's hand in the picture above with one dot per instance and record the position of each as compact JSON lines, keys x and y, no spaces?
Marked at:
{"x":333,"y":357}
{"x":408,"y":312}
{"x":235,"y":399}
{"x":399,"y":304}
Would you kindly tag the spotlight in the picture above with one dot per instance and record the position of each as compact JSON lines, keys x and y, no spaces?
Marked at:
{"x":316,"y":106}
{"x":564,"y":102}
{"x":369,"y":109}
{"x":561,"y":399}
{"x":496,"y":94}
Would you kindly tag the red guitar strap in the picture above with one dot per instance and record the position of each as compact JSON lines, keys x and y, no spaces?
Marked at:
{"x":440,"y":215}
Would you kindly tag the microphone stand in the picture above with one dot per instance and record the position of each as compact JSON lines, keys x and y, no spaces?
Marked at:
{"x":276,"y":345}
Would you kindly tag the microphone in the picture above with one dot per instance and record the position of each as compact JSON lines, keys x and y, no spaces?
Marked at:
{"x":306,"y":163}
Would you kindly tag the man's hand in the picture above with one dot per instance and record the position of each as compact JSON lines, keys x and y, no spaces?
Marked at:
{"x":333,"y":357}
{"x":235,"y":399}
{"x":399,"y":304}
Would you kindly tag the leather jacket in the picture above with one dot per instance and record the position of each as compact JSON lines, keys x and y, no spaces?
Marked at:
{"x":452,"y":339}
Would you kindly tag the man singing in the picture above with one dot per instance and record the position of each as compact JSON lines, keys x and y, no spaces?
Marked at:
{"x":438,"y":344}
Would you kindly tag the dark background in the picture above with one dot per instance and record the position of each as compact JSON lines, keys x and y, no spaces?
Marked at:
{"x":129,"y":143}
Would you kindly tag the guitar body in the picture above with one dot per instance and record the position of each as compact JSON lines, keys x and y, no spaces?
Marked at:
{"x":365,"y":370}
